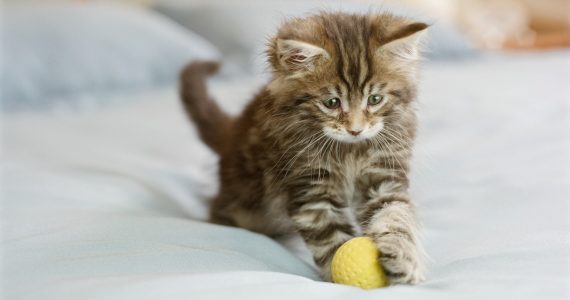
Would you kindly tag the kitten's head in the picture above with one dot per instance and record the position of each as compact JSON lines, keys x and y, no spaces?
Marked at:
{"x":346,"y":75}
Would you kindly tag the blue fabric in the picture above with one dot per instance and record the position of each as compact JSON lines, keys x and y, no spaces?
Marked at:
{"x":64,"y":52}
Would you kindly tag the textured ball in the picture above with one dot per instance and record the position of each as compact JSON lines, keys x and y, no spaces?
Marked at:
{"x":356,"y":263}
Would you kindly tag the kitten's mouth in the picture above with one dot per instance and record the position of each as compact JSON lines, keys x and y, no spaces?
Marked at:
{"x":348,"y":137}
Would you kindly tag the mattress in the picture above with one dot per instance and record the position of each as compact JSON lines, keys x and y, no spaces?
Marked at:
{"x":111,"y":204}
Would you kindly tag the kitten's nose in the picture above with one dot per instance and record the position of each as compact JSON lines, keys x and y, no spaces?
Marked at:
{"x":355,"y":133}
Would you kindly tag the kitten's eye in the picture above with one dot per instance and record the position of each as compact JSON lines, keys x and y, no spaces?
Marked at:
{"x":374,"y":99}
{"x":332,"y":103}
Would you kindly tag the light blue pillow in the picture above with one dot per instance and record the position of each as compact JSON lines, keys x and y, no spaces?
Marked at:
{"x":242,"y":35}
{"x":56,"y":53}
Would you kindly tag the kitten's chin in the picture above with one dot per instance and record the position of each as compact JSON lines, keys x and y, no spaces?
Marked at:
{"x":349,"y":140}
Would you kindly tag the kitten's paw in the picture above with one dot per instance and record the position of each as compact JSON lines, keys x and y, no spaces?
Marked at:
{"x":401,"y":257}
{"x":325,"y":274}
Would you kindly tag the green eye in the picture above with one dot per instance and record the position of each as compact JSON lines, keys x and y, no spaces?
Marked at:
{"x":374,"y":99}
{"x":332,"y":103}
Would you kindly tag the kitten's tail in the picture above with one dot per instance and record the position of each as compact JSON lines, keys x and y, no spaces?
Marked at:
{"x":212,"y":123}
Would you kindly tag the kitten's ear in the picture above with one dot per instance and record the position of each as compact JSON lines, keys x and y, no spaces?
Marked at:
{"x":297,"y":56}
{"x":404,"y":42}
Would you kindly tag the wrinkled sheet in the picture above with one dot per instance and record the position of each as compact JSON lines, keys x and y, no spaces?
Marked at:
{"x":111,"y":204}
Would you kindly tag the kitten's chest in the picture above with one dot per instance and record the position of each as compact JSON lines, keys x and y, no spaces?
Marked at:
{"x":350,"y":172}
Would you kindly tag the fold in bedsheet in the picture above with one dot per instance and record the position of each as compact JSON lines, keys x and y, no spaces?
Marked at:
{"x":74,"y":225}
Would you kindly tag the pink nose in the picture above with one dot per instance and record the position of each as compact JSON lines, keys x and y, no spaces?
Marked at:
{"x":355,"y":133}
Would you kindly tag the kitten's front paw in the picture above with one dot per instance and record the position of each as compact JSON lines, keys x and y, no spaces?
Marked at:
{"x":401,"y":257}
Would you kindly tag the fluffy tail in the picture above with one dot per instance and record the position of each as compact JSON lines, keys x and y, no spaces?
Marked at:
{"x":213,"y":123}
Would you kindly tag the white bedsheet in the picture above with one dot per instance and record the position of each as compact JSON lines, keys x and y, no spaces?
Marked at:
{"x":110,"y":205}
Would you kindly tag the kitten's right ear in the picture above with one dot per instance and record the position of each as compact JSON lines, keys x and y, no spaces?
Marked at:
{"x":296,"y":56}
{"x":404,"y":41}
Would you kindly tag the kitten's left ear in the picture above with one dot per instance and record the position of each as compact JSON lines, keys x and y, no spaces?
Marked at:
{"x":404,"y":41}
{"x":297,"y":56}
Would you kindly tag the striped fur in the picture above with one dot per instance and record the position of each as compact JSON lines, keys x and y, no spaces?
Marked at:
{"x":288,"y":162}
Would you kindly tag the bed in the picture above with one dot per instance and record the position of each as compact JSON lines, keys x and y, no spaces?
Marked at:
{"x":111,"y":203}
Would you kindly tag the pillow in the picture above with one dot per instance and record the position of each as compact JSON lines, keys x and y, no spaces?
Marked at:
{"x":242,"y":28}
{"x":62,"y":52}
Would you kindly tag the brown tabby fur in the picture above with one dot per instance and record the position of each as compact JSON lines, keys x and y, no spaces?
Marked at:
{"x":279,"y":173}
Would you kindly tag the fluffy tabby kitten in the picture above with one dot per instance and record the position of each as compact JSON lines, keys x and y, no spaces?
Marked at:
{"x":333,"y":129}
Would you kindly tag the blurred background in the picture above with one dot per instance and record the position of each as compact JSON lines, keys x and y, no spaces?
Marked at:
{"x":104,"y":184}
{"x":73,"y":38}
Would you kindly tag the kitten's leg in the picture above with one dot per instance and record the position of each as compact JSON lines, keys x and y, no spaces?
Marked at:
{"x":218,"y":212}
{"x":316,"y":211}
{"x":388,"y":218}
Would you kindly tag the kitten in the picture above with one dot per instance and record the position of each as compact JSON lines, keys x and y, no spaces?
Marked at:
{"x":333,"y":129}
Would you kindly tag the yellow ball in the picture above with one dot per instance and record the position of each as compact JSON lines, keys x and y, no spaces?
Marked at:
{"x":356,"y":263}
